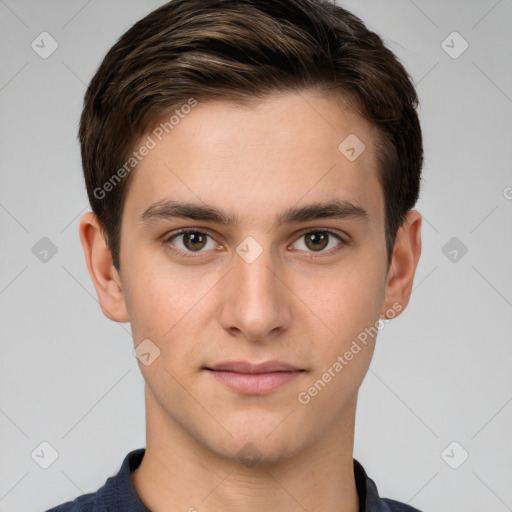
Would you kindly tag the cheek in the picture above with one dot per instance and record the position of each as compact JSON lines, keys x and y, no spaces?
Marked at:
{"x":344,"y":300}
{"x":148,"y":300}
{"x":348,"y":305}
{"x":349,"y":309}
{"x":168,"y":305}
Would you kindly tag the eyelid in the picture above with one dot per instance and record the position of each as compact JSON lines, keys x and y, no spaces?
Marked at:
{"x":340,"y":235}
{"x":170,"y":236}
{"x":312,"y":254}
{"x":342,"y":239}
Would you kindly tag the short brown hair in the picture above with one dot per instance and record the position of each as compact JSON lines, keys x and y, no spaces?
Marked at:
{"x":244,"y":50}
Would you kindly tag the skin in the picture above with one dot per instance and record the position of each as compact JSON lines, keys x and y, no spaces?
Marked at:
{"x":214,"y":306}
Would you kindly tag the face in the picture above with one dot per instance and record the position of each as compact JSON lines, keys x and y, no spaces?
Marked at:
{"x":270,"y":278}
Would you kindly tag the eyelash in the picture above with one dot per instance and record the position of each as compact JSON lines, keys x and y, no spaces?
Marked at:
{"x":197,"y":254}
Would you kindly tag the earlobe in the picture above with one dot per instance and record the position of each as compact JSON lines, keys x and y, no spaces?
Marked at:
{"x":406,"y":254}
{"x":105,"y":278}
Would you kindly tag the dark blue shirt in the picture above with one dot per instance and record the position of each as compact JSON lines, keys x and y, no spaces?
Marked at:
{"x":118,"y":493}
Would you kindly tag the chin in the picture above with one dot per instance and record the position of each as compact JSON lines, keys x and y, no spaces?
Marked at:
{"x":256,"y":448}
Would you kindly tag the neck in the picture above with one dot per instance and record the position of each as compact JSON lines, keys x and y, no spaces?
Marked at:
{"x":178,"y":473}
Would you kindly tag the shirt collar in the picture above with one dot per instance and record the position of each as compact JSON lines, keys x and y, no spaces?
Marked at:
{"x":118,"y":493}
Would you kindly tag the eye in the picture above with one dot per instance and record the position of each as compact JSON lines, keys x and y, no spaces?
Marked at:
{"x":192,"y":241}
{"x":317,"y":240}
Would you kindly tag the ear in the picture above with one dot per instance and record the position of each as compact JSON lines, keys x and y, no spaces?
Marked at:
{"x":104,"y":275}
{"x":406,"y":254}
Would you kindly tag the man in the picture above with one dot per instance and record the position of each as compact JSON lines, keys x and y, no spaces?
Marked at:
{"x":252,"y":168}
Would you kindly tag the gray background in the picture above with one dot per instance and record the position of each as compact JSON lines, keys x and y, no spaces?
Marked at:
{"x":441,"y":371}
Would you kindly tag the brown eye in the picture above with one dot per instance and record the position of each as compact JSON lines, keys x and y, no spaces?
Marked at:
{"x":187,"y":242}
{"x":194,"y":241}
{"x":317,"y":241}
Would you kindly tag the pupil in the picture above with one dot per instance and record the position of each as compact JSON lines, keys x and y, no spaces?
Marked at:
{"x":195,"y":239}
{"x":318,"y":239}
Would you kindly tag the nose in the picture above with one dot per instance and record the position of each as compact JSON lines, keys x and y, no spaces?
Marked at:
{"x":255,"y":303}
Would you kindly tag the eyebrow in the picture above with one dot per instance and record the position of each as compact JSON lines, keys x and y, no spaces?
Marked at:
{"x":336,"y":209}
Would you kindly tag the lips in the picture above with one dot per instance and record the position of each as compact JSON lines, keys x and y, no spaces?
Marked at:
{"x":246,"y":367}
{"x":254,"y":379}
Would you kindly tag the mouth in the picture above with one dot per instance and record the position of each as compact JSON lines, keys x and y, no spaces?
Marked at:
{"x":254,"y":379}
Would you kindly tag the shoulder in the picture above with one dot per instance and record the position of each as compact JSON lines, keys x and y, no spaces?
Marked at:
{"x":396,"y":506}
{"x":369,"y":497}
{"x":117,"y":493}
{"x":84,"y":503}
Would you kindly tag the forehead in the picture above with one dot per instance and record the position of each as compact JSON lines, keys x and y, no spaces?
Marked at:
{"x":258,"y":159}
